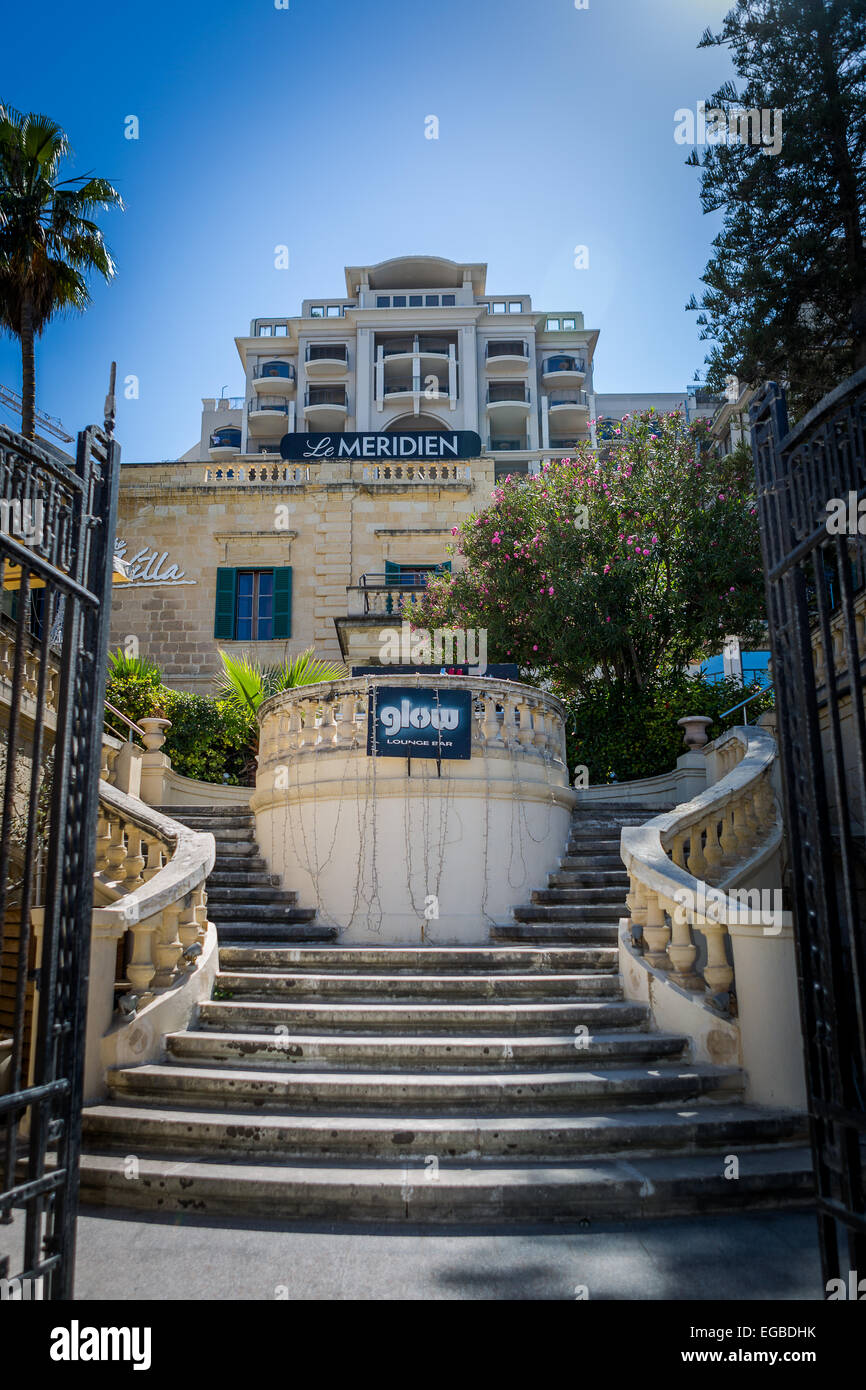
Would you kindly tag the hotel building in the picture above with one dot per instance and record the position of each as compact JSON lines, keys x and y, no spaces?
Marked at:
{"x":241,"y":546}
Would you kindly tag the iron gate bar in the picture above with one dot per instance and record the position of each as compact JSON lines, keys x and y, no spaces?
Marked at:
{"x":73,"y":557}
{"x":798,"y":473}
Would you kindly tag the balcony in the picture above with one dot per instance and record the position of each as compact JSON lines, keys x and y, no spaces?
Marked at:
{"x":564,"y":369}
{"x":326,"y":406}
{"x":267,"y":418}
{"x":407,"y":386}
{"x":508,"y":402}
{"x":379,"y":595}
{"x":507,"y":355}
{"x":564,"y":404}
{"x":274,"y":378}
{"x":327,"y":359}
{"x":224,"y":444}
{"x":422,"y":345}
{"x":507,"y":444}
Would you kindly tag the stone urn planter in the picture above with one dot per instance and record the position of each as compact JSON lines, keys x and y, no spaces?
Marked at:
{"x":694,"y":727}
{"x":154,"y":733}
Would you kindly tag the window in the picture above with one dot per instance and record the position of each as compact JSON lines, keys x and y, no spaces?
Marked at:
{"x":253,"y":605}
{"x":383,"y":301}
{"x":280,"y":330}
{"x":335,"y":311}
{"x":569,"y":325}
{"x":412,"y":576}
{"x":416,"y":301}
{"x":399,"y":301}
{"x":432,"y":301}
{"x":515,"y":306}
{"x":553,"y":325}
{"x":265,"y":330}
{"x":499,"y":306}
{"x":317,"y":311}
{"x":449,"y":300}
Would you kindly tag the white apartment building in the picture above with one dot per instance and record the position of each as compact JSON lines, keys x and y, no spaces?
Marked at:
{"x":416,"y":343}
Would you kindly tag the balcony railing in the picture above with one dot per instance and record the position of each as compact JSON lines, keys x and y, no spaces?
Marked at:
{"x":508,"y":391}
{"x":507,"y":446}
{"x":576,"y":398}
{"x":257,"y":405}
{"x":326,"y":395}
{"x":284,"y":370}
{"x":225,"y":439}
{"x":327,"y":352}
{"x":507,"y":349}
{"x":438,"y":347}
{"x":562,"y":362}
{"x":230,"y":403}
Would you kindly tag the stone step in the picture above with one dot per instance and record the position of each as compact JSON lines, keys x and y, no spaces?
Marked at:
{"x":229,"y":835}
{"x":226,"y":893}
{"x":182,"y":813}
{"x":524,"y":1089}
{"x":303,"y":985}
{"x":300,"y":1051}
{"x":570,"y":912}
{"x":586,"y":878}
{"x":592,"y":861}
{"x":451,"y":959}
{"x":412,"y":1137}
{"x":238,"y":878}
{"x":221,"y":826}
{"x":257,"y":1016}
{"x":598,"y":844}
{"x":601,"y":896}
{"x":235,"y":855}
{"x":238,"y":908}
{"x":253,"y":933}
{"x":602,"y":1188}
{"x":556,"y":933}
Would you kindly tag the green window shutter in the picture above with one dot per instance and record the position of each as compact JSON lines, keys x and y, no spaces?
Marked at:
{"x":283,"y":602}
{"x":444,"y":568}
{"x":226,"y":592}
{"x":392,"y":572}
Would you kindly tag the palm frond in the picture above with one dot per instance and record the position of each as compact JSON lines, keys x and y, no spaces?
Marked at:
{"x":308,"y":669}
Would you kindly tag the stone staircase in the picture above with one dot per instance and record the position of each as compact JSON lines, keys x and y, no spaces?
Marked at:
{"x":506,"y":1082}
{"x":244,"y":900}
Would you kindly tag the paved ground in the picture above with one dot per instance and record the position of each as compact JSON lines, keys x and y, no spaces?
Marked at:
{"x":746,"y":1256}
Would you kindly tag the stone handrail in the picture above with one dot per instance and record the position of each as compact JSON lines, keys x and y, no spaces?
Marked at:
{"x":150,"y":874}
{"x":417,"y":473}
{"x":677,"y":860}
{"x":509,"y":718}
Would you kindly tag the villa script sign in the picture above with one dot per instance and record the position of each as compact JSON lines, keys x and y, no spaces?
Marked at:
{"x":150,"y":567}
{"x":405,"y":444}
{"x":422,"y":723}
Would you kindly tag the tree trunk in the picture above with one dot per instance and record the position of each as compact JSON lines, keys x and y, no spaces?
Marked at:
{"x":28,"y":370}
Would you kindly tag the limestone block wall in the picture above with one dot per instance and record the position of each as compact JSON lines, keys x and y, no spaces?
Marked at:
{"x":178,"y":528}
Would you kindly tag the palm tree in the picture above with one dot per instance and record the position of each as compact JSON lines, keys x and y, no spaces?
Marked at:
{"x":48,"y":241}
{"x":246,"y":683}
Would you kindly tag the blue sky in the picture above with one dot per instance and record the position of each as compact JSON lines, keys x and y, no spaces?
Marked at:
{"x":305,"y":127}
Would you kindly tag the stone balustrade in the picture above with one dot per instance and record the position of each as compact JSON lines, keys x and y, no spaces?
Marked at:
{"x":259,"y":474}
{"x":838,"y":644}
{"x":511,"y":719}
{"x":149,"y":882}
{"x":382,"y":601}
{"x":417,"y":473}
{"x":30,"y":667}
{"x":678,"y":861}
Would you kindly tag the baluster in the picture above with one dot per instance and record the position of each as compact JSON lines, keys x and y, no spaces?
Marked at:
{"x":731,"y":848}
{"x":682,"y":950}
{"x":188,"y":929}
{"x":167,"y":947}
{"x":490,"y":724}
{"x":656,"y":934}
{"x":309,"y":732}
{"x":524,"y":732}
{"x":116,"y":853}
{"x":345,"y":734}
{"x":135,"y":861}
{"x":154,"y":859}
{"x":141,"y":968}
{"x":678,"y":848}
{"x":200,"y":900}
{"x":636,"y":902}
{"x":718,"y":973}
{"x":697,"y":859}
{"x":328,"y":728}
{"x":111,"y":756}
{"x":712,"y":850}
{"x":103,"y":841}
{"x":740,"y":828}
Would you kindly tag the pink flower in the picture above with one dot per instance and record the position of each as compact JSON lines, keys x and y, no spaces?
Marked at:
{"x":606,"y":569}
{"x":607,"y":620}
{"x":535,"y":648}
{"x":550,"y":591}
{"x":646,"y":552}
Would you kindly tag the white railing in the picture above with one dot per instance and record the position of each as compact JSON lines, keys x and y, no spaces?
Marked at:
{"x":257,"y":474}
{"x":679,"y":862}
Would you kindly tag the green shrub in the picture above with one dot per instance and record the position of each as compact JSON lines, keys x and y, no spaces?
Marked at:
{"x":623,"y":735}
{"x":209,"y":739}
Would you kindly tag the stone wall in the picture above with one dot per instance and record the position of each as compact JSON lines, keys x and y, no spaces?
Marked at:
{"x":330,"y":530}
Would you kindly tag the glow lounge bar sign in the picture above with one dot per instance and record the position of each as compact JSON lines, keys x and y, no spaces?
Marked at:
{"x":405,"y":723}
{"x":402,"y":444}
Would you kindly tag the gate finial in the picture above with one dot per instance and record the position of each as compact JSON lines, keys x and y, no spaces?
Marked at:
{"x":110,"y":403}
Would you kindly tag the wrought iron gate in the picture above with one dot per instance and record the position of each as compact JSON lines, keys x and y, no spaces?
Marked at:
{"x":56,"y":545}
{"x":811,"y":481}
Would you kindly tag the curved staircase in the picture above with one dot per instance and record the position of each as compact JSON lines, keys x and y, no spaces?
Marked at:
{"x":511,"y":1081}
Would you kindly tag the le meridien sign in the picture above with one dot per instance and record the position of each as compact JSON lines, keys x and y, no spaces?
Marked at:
{"x":403,"y":444}
{"x":422,"y":723}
